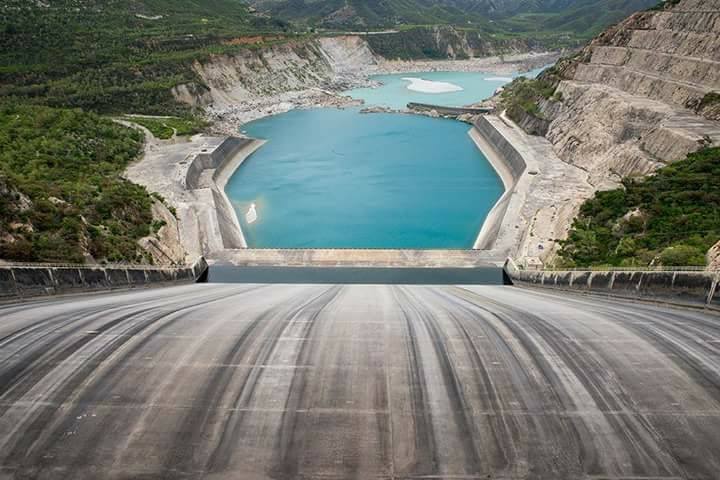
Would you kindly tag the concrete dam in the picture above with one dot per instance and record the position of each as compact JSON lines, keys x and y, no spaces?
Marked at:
{"x":392,"y":364}
{"x":249,"y":381}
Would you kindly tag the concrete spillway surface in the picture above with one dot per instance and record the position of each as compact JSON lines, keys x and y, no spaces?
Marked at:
{"x":237,"y":381}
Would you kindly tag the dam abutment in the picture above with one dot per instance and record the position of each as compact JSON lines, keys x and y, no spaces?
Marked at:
{"x":509,"y":165}
{"x":690,"y":288}
{"x":18,"y":282}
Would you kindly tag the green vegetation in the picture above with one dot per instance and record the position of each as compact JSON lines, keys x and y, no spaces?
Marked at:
{"x":165,"y":127}
{"x":671,"y":218}
{"x":118,"y":56}
{"x":539,"y":20}
{"x":61,"y":195}
{"x":710,"y":99}
{"x":434,"y":42}
{"x":521,"y":96}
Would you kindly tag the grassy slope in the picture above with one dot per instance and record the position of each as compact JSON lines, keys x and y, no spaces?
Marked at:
{"x":68,"y":164}
{"x":165,"y":127}
{"x":670,"y":218}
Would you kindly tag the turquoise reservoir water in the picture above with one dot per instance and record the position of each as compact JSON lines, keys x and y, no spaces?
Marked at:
{"x":339,"y":178}
{"x":395,"y":94}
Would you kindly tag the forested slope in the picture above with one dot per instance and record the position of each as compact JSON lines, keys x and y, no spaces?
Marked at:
{"x":62,"y":197}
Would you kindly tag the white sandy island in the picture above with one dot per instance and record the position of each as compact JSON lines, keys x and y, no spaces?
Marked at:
{"x":428,"y":86}
{"x":498,"y":79}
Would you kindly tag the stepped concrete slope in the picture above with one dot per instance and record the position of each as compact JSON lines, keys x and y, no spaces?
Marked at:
{"x":642,"y":95}
{"x":256,"y":382}
{"x":630,"y":105}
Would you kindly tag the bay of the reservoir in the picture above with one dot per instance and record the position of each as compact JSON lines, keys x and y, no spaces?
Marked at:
{"x":342,"y":179}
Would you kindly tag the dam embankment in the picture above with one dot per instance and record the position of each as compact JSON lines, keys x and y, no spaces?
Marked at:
{"x":686,"y":288}
{"x":213,"y":159}
{"x":207,"y":175}
{"x":535,"y":179}
{"x":18,"y":282}
{"x":444,"y":110}
{"x":508,"y":164}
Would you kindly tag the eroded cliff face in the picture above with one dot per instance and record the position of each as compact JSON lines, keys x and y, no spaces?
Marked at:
{"x":165,"y":246}
{"x":290,"y":67}
{"x":637,"y":97}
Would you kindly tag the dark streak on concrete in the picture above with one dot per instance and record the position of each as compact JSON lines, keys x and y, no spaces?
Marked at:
{"x":357,"y":381}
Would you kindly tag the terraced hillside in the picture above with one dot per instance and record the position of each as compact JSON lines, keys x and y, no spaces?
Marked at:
{"x":641,"y":96}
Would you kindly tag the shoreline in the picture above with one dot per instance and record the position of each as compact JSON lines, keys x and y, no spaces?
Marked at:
{"x":208,"y":221}
{"x":226,"y":170}
{"x":498,"y":65}
{"x":228,"y":120}
{"x":495,"y":215}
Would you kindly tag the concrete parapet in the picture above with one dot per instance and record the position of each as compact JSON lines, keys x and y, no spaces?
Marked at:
{"x":690,"y":288}
{"x":68,"y":280}
{"x":27,"y":281}
{"x":442,"y":110}
{"x":212,"y":160}
{"x":8,"y":289}
{"x":514,"y":161}
{"x":31,"y":282}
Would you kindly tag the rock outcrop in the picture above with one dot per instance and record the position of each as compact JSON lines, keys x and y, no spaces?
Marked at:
{"x":713,"y":257}
{"x":637,"y":97}
{"x":249,"y":75}
{"x":165,"y":246}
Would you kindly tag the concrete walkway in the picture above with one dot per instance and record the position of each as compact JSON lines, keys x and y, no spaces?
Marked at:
{"x":544,"y":199}
{"x":207,"y":220}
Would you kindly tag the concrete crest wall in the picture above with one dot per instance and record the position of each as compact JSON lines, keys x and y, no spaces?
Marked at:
{"x":691,"y":288}
{"x":27,"y":281}
{"x":212,"y":160}
{"x":515,"y":165}
{"x":447,"y":110}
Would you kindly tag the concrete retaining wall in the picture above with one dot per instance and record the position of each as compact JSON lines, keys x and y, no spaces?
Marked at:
{"x":513,"y":160}
{"x":698,"y":289}
{"x":513,"y":164}
{"x":447,"y":110}
{"x":27,"y":281}
{"x":212,"y":160}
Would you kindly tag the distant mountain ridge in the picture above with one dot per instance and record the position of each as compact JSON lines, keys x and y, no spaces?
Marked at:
{"x":584,"y":17}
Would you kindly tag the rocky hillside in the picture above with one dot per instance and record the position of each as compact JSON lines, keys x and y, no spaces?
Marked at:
{"x":445,"y":41}
{"x":641,"y":95}
{"x":251,"y":75}
{"x":236,"y":88}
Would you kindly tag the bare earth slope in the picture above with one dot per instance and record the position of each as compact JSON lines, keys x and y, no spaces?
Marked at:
{"x":253,"y":382}
{"x":629,"y":108}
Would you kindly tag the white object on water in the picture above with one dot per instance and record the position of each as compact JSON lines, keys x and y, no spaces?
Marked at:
{"x":251,"y":214}
{"x":428,"y":86}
